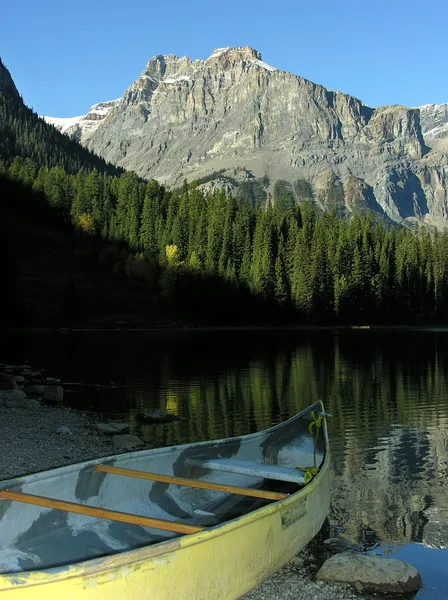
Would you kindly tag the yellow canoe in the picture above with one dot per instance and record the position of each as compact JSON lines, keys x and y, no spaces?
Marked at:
{"x":200,"y":521}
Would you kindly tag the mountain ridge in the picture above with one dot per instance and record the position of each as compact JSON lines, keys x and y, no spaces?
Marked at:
{"x":234,"y":113}
{"x":7,"y":85}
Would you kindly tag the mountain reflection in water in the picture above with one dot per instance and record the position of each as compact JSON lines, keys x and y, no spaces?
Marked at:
{"x":387,"y":392}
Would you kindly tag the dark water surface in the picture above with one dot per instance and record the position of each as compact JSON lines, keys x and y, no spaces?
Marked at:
{"x":387,"y":391}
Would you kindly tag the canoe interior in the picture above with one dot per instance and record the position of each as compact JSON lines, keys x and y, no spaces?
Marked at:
{"x":33,"y":537}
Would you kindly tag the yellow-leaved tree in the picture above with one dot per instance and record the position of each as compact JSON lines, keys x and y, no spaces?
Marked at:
{"x":85,"y":224}
{"x":170,"y":273}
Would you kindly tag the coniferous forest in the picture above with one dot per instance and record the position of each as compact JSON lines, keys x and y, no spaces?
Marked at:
{"x":214,"y":258}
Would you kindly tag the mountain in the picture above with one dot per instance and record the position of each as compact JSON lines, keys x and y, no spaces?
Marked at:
{"x":434,"y":123}
{"x":234,"y":114}
{"x":7,"y":85}
{"x":80,"y":128}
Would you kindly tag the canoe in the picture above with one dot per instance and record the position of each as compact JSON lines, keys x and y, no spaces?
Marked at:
{"x":199,"y":521}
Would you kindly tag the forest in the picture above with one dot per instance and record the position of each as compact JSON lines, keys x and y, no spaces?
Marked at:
{"x":216,"y":256}
{"x":225,"y":259}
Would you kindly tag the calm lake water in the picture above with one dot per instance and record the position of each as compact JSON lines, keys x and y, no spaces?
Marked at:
{"x":387,"y":392}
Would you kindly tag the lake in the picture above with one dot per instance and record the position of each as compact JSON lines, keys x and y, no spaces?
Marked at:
{"x":386,"y":389}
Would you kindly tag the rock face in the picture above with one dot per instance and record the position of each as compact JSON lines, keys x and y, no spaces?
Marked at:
{"x":434,"y":123}
{"x":81,"y":128}
{"x":234,"y":113}
{"x":372,"y":574}
{"x":7,"y":85}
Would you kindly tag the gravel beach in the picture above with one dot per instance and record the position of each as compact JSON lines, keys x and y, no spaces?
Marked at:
{"x":30,"y":442}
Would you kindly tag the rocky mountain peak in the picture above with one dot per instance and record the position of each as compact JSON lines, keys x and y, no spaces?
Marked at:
{"x":7,"y":85}
{"x":232,"y":117}
{"x":234,"y":54}
{"x":156,"y":66}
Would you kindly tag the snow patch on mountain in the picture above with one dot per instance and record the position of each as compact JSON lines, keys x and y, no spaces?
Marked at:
{"x":80,"y":128}
{"x":263,"y":65}
{"x":62,"y":123}
{"x":218,"y":51}
{"x":176,"y":78}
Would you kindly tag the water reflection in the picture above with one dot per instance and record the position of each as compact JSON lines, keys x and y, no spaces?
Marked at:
{"x":388,"y":392}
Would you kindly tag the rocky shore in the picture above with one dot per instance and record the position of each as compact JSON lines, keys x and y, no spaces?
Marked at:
{"x":37,"y":432}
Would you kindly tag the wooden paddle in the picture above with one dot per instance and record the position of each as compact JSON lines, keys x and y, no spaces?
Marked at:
{"x":205,"y":485}
{"x":101,"y":513}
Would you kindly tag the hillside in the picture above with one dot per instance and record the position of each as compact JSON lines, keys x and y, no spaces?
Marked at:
{"x":23,"y":133}
{"x":52,"y":277}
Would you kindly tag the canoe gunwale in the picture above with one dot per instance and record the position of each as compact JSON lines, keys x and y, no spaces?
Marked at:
{"x":124,"y":559}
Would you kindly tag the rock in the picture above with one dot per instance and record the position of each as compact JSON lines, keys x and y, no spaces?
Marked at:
{"x":26,"y":403}
{"x":34,"y":390}
{"x":371,"y":574}
{"x":104,"y":428}
{"x":7,"y":382}
{"x":12,"y":395}
{"x":120,"y":427}
{"x":157,"y":416}
{"x":53,"y":393}
{"x":53,"y":380}
{"x":336,"y":544}
{"x":110,"y":428}
{"x":63,"y":429}
{"x":19,"y":378}
{"x":123,"y":443}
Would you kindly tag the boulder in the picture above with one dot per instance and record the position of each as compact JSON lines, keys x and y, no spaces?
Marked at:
{"x":371,"y":574}
{"x":110,"y":428}
{"x":19,"y":379}
{"x":53,"y":393}
{"x":35,"y":390}
{"x":7,"y":382}
{"x":120,"y":427}
{"x":123,"y":443}
{"x":105,"y":428}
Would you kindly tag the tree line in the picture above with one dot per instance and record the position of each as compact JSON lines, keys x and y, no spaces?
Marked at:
{"x":220,"y":258}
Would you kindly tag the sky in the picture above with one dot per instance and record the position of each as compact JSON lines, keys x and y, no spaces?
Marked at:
{"x":65,"y":56}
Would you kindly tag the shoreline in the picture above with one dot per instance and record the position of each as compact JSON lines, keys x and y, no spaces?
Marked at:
{"x":235,"y":328}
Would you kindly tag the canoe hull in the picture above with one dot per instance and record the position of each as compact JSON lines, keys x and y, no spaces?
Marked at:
{"x":223,"y":562}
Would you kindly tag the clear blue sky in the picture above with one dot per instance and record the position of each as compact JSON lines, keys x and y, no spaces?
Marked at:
{"x":65,"y":56}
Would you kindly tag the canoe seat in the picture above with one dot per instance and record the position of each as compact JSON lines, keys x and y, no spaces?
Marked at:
{"x":248,"y":468}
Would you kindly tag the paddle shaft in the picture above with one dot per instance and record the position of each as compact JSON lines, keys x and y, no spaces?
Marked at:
{"x":100,"y":513}
{"x":205,"y":485}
